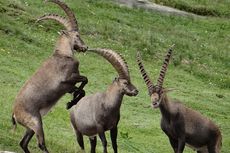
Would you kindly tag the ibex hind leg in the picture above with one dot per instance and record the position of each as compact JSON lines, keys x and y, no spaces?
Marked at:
{"x":25,"y":140}
{"x":93,"y":143}
{"x":35,"y":123}
{"x":80,"y":139}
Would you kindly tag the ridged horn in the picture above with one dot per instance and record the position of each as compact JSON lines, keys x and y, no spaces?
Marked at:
{"x":69,"y":13}
{"x":115,"y":59}
{"x":164,"y":67}
{"x":57,"y":18}
{"x":144,"y":74}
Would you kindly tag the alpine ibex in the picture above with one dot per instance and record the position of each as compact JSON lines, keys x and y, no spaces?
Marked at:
{"x":97,"y":113}
{"x":57,"y":76}
{"x":182,"y":125}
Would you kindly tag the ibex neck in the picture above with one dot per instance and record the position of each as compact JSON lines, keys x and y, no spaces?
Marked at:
{"x":165,"y":107}
{"x":114,"y":97}
{"x":63,"y":47}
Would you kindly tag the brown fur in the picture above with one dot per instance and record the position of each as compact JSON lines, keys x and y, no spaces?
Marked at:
{"x":56,"y":76}
{"x":97,"y":113}
{"x":182,"y":125}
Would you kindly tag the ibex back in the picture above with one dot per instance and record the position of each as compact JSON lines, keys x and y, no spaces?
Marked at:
{"x":56,"y":76}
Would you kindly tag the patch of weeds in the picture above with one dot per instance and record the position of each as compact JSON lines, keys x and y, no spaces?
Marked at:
{"x":3,"y":9}
{"x":204,"y":8}
{"x":125,"y":135}
{"x":16,"y":7}
{"x":197,"y":10}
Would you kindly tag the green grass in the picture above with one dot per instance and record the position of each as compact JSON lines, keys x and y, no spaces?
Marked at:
{"x":200,"y":7}
{"x":199,"y":71}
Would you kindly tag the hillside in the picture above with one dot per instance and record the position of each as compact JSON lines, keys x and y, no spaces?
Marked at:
{"x":199,"y":71}
{"x":204,"y":7}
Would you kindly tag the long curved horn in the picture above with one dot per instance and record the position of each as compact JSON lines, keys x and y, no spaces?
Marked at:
{"x":144,"y":74}
{"x":115,"y":59}
{"x":68,"y":12}
{"x":164,"y":67}
{"x":57,"y":18}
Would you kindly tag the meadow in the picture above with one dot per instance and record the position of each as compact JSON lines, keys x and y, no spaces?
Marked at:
{"x":199,"y":71}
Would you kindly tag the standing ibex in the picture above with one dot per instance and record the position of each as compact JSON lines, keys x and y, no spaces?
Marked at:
{"x":57,"y":76}
{"x":97,"y":113}
{"x":182,"y":125}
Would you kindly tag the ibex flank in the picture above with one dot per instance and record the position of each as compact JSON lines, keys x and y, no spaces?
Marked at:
{"x":56,"y":76}
{"x":97,"y":113}
{"x":182,"y":125}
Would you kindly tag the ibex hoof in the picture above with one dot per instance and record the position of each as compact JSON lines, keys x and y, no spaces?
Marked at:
{"x":76,"y":97}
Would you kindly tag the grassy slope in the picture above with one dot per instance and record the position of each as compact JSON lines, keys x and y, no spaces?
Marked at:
{"x":200,"y":69}
{"x":201,"y":7}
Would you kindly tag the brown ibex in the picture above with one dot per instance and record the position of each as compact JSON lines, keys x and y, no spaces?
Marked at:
{"x":57,"y":76}
{"x":97,"y":113}
{"x":182,"y":125}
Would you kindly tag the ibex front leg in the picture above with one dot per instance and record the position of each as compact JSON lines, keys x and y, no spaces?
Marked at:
{"x":113,"y":135}
{"x":104,"y":141}
{"x":74,"y":79}
{"x":181,"y":145}
{"x":77,"y":95}
{"x":93,"y":143}
{"x":78,"y":91}
{"x":83,"y":81}
{"x":174,"y":144}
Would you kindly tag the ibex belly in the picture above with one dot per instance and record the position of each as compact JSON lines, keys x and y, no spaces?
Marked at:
{"x":86,"y":128}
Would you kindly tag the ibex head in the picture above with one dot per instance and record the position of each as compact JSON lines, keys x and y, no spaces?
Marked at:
{"x":156,"y":92}
{"x":123,"y":82}
{"x":71,"y":25}
{"x":76,"y":41}
{"x":126,"y":87}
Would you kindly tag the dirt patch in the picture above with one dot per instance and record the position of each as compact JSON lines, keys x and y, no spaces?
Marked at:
{"x":145,"y":4}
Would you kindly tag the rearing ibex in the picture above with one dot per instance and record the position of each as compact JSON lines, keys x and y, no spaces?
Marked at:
{"x":97,"y":113}
{"x":182,"y":125}
{"x":57,"y":76}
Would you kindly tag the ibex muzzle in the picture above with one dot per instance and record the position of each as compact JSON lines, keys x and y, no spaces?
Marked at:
{"x":128,"y":88}
{"x":78,"y":43}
